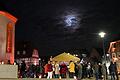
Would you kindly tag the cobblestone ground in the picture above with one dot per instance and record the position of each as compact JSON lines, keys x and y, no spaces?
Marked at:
{"x":92,"y":78}
{"x":56,"y":79}
{"x":53,"y":79}
{"x":46,"y":79}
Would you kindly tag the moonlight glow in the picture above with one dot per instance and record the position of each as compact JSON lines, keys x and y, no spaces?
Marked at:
{"x":70,"y":20}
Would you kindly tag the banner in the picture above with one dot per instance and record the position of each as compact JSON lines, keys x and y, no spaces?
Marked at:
{"x":9,"y":38}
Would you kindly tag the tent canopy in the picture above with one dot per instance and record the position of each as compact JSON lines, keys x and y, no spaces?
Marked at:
{"x":65,"y":57}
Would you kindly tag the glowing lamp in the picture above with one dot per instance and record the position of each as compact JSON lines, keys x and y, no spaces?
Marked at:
{"x":2,"y":62}
{"x":40,"y":76}
{"x":102,"y":34}
{"x":60,"y":78}
{"x":75,"y":78}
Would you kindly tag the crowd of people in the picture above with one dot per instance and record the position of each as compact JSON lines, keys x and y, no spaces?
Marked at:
{"x":68,"y":70}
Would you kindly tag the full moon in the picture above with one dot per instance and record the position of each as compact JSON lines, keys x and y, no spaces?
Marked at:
{"x":70,"y":20}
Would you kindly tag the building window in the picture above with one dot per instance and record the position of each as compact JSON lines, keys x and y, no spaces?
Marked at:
{"x":114,"y":45}
{"x":113,"y":55}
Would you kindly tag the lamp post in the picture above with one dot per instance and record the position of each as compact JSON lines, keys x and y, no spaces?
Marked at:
{"x":102,"y":35}
{"x":40,"y":68}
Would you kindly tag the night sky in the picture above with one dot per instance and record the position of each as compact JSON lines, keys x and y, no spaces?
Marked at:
{"x":55,"y":26}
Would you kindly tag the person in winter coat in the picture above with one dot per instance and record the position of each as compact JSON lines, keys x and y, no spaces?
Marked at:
{"x":49,"y":70}
{"x":63,"y":70}
{"x":45,"y":71}
{"x":113,"y":70}
{"x":96,"y":71}
{"x":89,"y":70}
{"x":100,"y":71}
{"x":104,"y":71}
{"x":79,"y":66}
{"x":57,"y":68}
{"x":71,"y":69}
{"x":22,"y":69}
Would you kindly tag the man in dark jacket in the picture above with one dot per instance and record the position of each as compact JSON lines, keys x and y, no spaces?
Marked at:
{"x":113,"y":71}
{"x":23,"y":68}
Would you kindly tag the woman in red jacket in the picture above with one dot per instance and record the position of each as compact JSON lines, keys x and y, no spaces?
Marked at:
{"x":63,"y":70}
{"x":49,"y":70}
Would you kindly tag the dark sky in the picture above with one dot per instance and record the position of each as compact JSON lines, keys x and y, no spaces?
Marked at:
{"x":54,"y":26}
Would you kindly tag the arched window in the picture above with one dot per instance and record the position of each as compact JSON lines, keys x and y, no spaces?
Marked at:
{"x":113,"y":55}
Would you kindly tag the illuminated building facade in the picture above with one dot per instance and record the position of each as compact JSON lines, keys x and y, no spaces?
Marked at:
{"x":114,"y":51}
{"x":31,"y":59}
{"x":7,"y":36}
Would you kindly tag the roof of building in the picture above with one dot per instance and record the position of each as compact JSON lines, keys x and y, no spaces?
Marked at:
{"x":8,"y":16}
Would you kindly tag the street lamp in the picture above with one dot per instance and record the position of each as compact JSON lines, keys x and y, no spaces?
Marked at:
{"x":102,"y":35}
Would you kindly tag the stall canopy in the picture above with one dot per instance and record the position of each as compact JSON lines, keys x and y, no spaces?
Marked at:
{"x":65,"y":57}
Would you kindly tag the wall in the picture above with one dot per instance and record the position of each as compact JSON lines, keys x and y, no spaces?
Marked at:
{"x":6,"y":37}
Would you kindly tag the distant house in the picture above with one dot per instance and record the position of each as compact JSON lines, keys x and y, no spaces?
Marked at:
{"x":31,"y":59}
{"x":94,"y":55}
{"x":35,"y":57}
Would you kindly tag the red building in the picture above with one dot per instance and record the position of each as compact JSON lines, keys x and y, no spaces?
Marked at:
{"x":114,"y":51}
